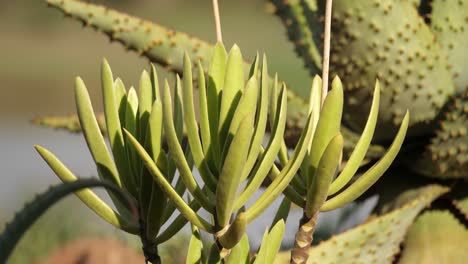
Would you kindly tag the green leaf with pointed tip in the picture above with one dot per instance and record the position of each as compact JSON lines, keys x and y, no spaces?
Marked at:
{"x":260,"y":258}
{"x":232,"y":90}
{"x":204,"y":112}
{"x":376,"y":241}
{"x":155,"y":83}
{"x":96,"y":145}
{"x":268,"y":157}
{"x":87,"y":196}
{"x":195,"y":249}
{"x":121,"y":100}
{"x":261,"y":121}
{"x":359,"y":152}
{"x":283,"y":211}
{"x":131,"y":125}
{"x":93,"y":136}
{"x":435,"y":237}
{"x":178,"y":110}
{"x":240,"y":254}
{"x":253,"y":71}
{"x":280,"y":183}
{"x":215,"y":83}
{"x":192,"y":127}
{"x":235,"y":232}
{"x":318,"y":191}
{"x":158,"y":200}
{"x":181,"y":205}
{"x":328,"y":126}
{"x":229,"y":179}
{"x":145,"y":103}
{"x":275,"y":236}
{"x":370,"y":176}
{"x":178,"y":155}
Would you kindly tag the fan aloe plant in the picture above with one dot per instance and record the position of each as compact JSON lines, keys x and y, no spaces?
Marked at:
{"x":416,"y":49}
{"x":156,"y":140}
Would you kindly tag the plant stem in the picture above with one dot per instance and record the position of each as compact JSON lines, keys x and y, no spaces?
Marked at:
{"x":326,"y":49}
{"x":219,"y":36}
{"x":303,"y":240}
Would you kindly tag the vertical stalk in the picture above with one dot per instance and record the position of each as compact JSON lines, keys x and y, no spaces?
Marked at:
{"x":219,"y":36}
{"x":326,"y":49}
{"x":303,"y":239}
{"x":304,"y":235}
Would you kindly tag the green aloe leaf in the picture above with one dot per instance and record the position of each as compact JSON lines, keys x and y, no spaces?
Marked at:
{"x":283,"y":211}
{"x":359,"y":152}
{"x":261,"y":120}
{"x":87,"y":196}
{"x":192,"y":127}
{"x":328,"y":126}
{"x":240,"y":254}
{"x":229,"y":179}
{"x":268,"y":157}
{"x":232,"y":90}
{"x":433,"y":238}
{"x":275,"y":236}
{"x":195,"y":249}
{"x":204,"y":112}
{"x":178,"y":155}
{"x":181,"y":205}
{"x":215,"y":83}
{"x":370,"y":176}
{"x":215,"y":255}
{"x":280,"y":183}
{"x":113,"y":124}
{"x":318,"y":191}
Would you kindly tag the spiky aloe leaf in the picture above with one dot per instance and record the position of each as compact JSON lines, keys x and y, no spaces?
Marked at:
{"x":295,"y":16}
{"x":447,"y":154}
{"x":378,"y":240}
{"x":448,"y":23}
{"x":69,"y":123}
{"x":435,"y":237}
{"x":32,"y":211}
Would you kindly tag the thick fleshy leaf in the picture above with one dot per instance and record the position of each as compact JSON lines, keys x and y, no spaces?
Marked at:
{"x":181,"y":205}
{"x":177,"y":154}
{"x":195,"y":249}
{"x":87,"y":196}
{"x":229,"y":179}
{"x":359,"y":152}
{"x":192,"y":127}
{"x":370,"y":176}
{"x":232,"y":90}
{"x":318,"y":191}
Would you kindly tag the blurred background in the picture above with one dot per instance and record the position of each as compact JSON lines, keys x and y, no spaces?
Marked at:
{"x":41,"y":52}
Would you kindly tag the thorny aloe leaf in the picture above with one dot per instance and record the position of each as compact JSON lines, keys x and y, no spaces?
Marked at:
{"x":435,"y":237}
{"x":32,"y":211}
